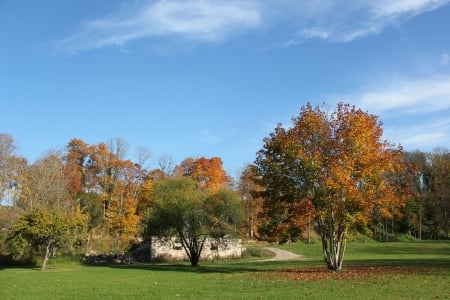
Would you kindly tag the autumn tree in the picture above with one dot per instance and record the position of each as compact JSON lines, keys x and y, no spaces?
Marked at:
{"x":75,"y":159}
{"x":208,"y":173}
{"x":105,"y":179}
{"x":339,"y":163}
{"x":192,"y":214}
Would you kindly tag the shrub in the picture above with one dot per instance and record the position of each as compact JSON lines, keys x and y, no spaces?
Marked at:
{"x":258,"y":252}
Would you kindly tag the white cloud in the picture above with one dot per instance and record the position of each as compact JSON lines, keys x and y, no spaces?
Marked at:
{"x":424,"y":134}
{"x":387,"y":8}
{"x":406,"y":96}
{"x":419,"y":140}
{"x":315,"y":32}
{"x":415,"y":112}
{"x":219,"y":20}
{"x":345,"y":22}
{"x":198,"y":20}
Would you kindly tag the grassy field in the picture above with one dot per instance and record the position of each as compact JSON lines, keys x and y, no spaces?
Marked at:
{"x":371,"y":271}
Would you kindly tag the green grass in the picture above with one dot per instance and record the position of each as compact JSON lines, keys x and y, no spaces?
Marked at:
{"x":385,"y":254}
{"x":427,"y":277}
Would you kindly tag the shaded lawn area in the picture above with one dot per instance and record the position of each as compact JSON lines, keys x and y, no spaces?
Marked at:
{"x":371,"y":271}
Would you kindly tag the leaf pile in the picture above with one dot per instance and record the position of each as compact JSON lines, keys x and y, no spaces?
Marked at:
{"x":351,"y":272}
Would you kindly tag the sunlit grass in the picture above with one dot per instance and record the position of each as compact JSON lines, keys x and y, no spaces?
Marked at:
{"x":426,"y":276}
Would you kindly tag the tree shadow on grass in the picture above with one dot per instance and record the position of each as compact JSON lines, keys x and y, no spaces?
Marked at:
{"x":206,"y":268}
{"x":270,"y":267}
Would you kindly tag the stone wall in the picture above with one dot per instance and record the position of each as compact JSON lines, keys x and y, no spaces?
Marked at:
{"x":171,"y":249}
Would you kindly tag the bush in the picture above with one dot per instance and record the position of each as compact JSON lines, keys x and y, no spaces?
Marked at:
{"x":404,"y":238}
{"x":256,"y":252}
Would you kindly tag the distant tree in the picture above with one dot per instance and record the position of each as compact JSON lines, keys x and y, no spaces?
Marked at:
{"x":104,"y":175}
{"x":8,"y":216}
{"x":166,"y":165}
{"x":77,"y":155}
{"x":44,"y":231}
{"x":225,"y":208}
{"x":91,"y":205}
{"x":252,"y":199}
{"x":44,"y":185}
{"x":208,"y":173}
{"x":412,"y":220}
{"x":338,"y":162}
{"x":178,"y":206}
{"x":426,"y":215}
{"x":439,"y":196}
{"x":10,"y":167}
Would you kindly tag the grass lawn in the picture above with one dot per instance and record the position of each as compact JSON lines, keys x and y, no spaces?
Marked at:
{"x":371,"y":271}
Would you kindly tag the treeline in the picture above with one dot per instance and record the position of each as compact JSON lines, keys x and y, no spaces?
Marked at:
{"x":93,"y":196}
{"x":102,"y":199}
{"x":427,"y":213}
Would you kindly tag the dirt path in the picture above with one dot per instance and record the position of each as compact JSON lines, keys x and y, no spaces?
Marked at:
{"x":281,"y":255}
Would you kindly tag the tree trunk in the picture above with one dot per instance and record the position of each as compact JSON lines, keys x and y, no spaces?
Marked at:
{"x":420,"y":221}
{"x":151,"y":249}
{"x":192,"y":247}
{"x":309,"y":229}
{"x":194,"y":261}
{"x":48,"y":251}
{"x":333,"y":244}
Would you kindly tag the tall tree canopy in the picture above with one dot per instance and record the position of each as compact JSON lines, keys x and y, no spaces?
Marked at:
{"x":338,"y":162}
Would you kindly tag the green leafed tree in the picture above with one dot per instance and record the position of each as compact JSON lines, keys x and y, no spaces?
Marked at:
{"x":179,"y":207}
{"x":338,"y":162}
{"x":42,"y":232}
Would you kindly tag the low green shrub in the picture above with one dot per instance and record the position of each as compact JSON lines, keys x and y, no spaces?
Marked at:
{"x":256,"y":252}
{"x":405,"y":238}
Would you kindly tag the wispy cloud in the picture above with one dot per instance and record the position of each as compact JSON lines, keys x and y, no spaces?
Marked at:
{"x":415,"y":112}
{"x":345,"y":22}
{"x":315,"y":32}
{"x":408,"y":96}
{"x":424,"y":134}
{"x":198,"y":20}
{"x":218,"y":20}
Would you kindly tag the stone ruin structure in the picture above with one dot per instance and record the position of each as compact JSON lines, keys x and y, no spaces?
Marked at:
{"x":171,"y":249}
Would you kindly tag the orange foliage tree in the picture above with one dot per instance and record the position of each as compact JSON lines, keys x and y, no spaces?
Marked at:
{"x":207,"y":173}
{"x":338,"y":162}
{"x":102,"y":170}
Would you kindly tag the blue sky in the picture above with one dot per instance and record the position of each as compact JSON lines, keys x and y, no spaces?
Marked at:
{"x":213,"y":77}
